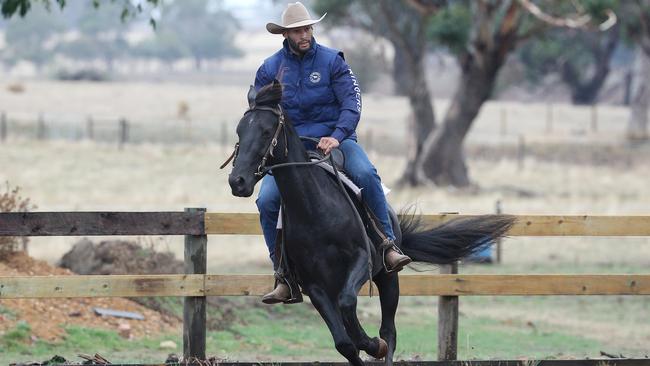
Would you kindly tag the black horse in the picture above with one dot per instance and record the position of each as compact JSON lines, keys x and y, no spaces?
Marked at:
{"x":325,"y":242}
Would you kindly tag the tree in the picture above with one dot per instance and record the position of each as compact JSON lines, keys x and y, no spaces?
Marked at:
{"x":9,"y":8}
{"x":581,"y":57}
{"x":101,"y":34}
{"x":28,"y":39}
{"x":200,"y":29}
{"x":637,"y":128}
{"x":404,"y":24}
{"x":493,"y":34}
{"x":638,"y":12}
{"x":497,"y":28}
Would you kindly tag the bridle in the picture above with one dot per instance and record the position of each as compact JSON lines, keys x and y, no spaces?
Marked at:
{"x":262,"y":169}
{"x":270,"y":151}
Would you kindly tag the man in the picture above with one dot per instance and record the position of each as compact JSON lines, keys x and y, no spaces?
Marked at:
{"x":322,"y":99}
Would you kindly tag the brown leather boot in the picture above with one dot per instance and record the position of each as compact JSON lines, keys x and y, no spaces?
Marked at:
{"x":280,"y":293}
{"x":394,"y":260}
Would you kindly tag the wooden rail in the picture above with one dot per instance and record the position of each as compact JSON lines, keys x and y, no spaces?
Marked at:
{"x":16,"y":287}
{"x":101,"y":223}
{"x":195,"y":284}
{"x":200,"y":223}
{"x":526,"y":225}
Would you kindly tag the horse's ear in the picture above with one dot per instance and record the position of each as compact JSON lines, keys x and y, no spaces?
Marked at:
{"x":252,"y":93}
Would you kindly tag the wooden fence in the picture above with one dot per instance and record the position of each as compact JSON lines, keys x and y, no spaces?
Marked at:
{"x":196,"y":284}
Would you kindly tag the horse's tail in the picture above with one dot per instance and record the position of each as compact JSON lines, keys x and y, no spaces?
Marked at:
{"x":453,"y":240}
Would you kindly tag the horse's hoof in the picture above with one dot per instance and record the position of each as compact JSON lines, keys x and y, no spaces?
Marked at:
{"x":382,"y":350}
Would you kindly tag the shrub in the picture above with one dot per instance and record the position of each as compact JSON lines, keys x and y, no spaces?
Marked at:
{"x":11,"y":201}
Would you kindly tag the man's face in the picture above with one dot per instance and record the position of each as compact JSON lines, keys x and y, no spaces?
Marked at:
{"x":300,"y":38}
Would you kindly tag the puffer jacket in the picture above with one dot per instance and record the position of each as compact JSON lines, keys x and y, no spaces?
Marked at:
{"x":320,"y":95}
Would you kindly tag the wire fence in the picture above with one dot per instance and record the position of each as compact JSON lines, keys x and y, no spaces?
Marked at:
{"x":497,"y":124}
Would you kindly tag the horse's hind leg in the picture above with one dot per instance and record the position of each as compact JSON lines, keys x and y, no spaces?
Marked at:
{"x":348,"y":305}
{"x":332,"y":316}
{"x":388,"y":285}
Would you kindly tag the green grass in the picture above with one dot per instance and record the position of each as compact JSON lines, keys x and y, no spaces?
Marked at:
{"x":16,"y":346}
{"x":490,"y":327}
{"x":297,"y":333}
{"x":7,"y":313}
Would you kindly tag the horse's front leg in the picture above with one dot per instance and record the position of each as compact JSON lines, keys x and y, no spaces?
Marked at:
{"x":329,"y":312}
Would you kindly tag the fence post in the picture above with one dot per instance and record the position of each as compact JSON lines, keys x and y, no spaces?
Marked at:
{"x":498,"y":210}
{"x":594,"y":118}
{"x":194,"y":308}
{"x":124,"y":132}
{"x":521,"y":152}
{"x":504,"y":121}
{"x":549,"y":118}
{"x":448,"y":321}
{"x":3,"y":126}
{"x":40,"y":128}
{"x":90,"y":128}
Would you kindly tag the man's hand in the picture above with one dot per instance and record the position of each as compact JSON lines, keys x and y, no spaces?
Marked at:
{"x":326,"y":144}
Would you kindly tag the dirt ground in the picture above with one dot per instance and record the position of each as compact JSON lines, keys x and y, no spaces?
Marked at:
{"x":48,"y":317}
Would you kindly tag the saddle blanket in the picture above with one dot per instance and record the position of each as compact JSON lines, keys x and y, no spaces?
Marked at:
{"x":344,"y":179}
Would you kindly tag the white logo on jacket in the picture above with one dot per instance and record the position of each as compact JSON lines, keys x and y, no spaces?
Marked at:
{"x":314,"y":77}
{"x":357,"y":90}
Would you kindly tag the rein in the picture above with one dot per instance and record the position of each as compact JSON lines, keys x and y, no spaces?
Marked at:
{"x":262,"y":169}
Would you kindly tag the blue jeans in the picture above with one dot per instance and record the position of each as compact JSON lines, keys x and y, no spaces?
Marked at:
{"x":360,"y":170}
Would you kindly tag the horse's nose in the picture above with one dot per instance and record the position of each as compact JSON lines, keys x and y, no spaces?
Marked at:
{"x":238,"y":185}
{"x":236,"y":181}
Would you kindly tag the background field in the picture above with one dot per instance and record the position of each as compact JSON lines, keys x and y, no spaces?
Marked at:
{"x":596,"y":175}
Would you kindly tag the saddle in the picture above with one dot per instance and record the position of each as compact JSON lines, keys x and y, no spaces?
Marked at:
{"x":337,"y":155}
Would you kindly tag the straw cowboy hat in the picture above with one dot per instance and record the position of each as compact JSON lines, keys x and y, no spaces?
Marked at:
{"x":294,"y":16}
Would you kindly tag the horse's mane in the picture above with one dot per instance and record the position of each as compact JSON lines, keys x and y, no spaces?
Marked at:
{"x":270,"y":94}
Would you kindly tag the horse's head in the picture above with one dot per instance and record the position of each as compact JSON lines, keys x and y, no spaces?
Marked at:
{"x":258,"y":133}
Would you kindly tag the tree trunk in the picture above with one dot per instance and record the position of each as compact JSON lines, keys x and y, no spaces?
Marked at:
{"x":637,"y":127}
{"x":421,"y":121}
{"x":399,"y":65}
{"x":586,"y":91}
{"x":443,"y":160}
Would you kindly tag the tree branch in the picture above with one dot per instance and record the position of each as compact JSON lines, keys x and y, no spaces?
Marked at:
{"x":426,"y":8}
{"x":398,"y":37}
{"x":580,"y":21}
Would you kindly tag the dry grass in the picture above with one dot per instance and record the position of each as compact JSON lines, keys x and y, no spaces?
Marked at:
{"x":88,"y":176}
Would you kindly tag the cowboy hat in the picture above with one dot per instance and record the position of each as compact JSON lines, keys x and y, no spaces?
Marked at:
{"x":294,"y":16}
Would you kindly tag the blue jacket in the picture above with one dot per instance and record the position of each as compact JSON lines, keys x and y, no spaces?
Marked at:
{"x":320,"y":95}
